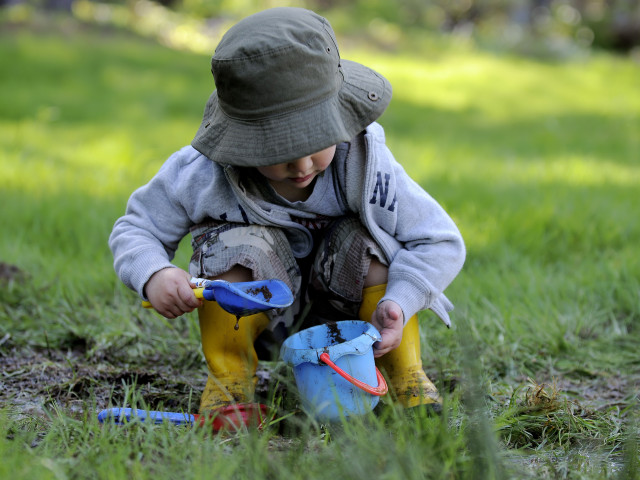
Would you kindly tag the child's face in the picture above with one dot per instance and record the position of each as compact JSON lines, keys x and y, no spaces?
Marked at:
{"x":292,"y":179}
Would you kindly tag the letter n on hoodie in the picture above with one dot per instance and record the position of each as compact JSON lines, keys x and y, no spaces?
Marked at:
{"x":383,"y":191}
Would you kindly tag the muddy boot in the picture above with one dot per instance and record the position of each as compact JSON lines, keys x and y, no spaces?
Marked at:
{"x":402,"y":366}
{"x":230,"y":354}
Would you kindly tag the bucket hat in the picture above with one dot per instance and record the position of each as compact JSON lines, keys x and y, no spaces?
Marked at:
{"x":283,"y":92}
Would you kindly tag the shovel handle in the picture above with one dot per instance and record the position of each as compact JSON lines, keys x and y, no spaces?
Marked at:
{"x":198,"y":292}
{"x":231,"y":417}
{"x":120,"y":416}
{"x":380,"y":390}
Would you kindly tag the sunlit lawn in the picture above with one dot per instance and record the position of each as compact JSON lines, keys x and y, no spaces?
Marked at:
{"x":537,"y":162}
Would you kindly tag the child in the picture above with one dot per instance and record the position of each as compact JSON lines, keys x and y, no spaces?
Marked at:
{"x":288,"y":177}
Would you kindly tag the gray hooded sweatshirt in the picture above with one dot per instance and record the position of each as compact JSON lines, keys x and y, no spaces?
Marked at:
{"x":421,"y":243}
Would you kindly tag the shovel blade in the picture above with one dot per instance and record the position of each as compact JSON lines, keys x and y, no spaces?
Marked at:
{"x":248,"y":298}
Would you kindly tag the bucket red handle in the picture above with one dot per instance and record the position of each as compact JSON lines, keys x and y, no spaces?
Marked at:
{"x":380,"y":390}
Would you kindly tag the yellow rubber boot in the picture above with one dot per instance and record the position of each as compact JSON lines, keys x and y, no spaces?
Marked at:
{"x":231,"y":357}
{"x":403,"y":365}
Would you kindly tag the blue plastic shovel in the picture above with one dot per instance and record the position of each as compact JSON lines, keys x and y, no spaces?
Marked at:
{"x":230,"y":417}
{"x":243,"y":298}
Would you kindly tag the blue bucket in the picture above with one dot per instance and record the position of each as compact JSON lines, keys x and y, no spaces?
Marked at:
{"x":334,"y":368}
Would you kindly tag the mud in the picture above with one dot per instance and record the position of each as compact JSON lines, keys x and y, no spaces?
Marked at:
{"x":264,"y":290}
{"x":602,"y":392}
{"x":33,"y":382}
{"x":588,"y":396}
{"x":335,"y":333}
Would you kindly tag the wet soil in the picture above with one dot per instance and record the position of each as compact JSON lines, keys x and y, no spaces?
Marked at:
{"x":32,"y":382}
{"x":335,"y":333}
{"x":264,"y":290}
{"x":602,"y":392}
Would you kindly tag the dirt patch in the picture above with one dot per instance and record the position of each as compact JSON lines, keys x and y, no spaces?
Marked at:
{"x":32,"y":382}
{"x":602,"y":392}
{"x":264,"y":290}
{"x":335,"y":333}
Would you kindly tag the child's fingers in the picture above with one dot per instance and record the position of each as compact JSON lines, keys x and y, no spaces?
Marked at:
{"x":180,"y":303}
{"x":170,"y":293}
{"x":175,"y":308}
{"x":388,"y":319}
{"x":166,"y":309}
{"x":379,"y":350}
{"x":187,"y":298}
{"x":390,"y":340}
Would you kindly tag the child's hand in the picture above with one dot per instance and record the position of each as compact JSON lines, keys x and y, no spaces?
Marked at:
{"x":170,"y":292}
{"x":389,"y":320}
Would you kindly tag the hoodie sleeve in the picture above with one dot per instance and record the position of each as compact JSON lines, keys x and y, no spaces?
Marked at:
{"x":424,"y":246}
{"x":432,"y":252}
{"x":158,"y":216}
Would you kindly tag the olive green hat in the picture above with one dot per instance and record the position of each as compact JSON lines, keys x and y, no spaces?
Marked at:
{"x":283,"y":92}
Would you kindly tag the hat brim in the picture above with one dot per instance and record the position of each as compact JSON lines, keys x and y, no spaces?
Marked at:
{"x":362,"y":98}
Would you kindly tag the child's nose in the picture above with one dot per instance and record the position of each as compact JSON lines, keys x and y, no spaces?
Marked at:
{"x":302,"y":164}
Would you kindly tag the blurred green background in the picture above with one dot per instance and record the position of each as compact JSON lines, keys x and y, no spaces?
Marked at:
{"x":521,"y":124}
{"x":522,"y":118}
{"x":534,"y":27}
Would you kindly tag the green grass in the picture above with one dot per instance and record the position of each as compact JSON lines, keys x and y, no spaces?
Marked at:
{"x":536,"y":161}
